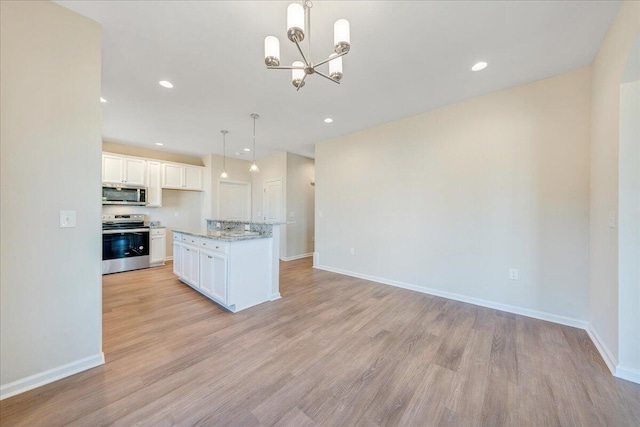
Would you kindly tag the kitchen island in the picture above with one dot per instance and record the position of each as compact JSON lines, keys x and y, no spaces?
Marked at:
{"x":235,"y":264}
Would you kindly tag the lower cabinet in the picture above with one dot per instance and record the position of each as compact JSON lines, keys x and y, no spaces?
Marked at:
{"x":213,"y":275}
{"x":190,"y":265}
{"x":158,"y":246}
{"x":177,"y":257}
{"x":206,"y":265}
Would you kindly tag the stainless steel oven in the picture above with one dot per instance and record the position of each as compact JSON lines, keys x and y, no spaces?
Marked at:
{"x":125,"y":243}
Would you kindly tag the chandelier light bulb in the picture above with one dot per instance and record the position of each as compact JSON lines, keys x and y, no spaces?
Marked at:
{"x":271,"y":51}
{"x":295,"y":22}
{"x":297,"y":74}
{"x":341,"y":36}
{"x":335,"y":67}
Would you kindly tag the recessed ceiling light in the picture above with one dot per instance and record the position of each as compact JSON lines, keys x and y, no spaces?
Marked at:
{"x":104,"y":101}
{"x":328,"y":120}
{"x":159,"y":143}
{"x":246,"y":149}
{"x":479,"y":66}
{"x":166,"y":84}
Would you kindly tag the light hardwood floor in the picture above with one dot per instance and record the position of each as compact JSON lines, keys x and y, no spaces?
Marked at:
{"x":335,"y":351}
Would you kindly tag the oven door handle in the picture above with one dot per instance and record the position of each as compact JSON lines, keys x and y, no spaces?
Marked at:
{"x":126,"y":230}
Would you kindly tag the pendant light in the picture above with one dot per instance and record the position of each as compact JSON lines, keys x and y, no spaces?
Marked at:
{"x":224,"y":174}
{"x":254,"y":166}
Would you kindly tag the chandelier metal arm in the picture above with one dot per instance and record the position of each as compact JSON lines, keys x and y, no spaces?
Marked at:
{"x":304,"y":58}
{"x":301,"y":82}
{"x":326,"y":77}
{"x":330,"y":59}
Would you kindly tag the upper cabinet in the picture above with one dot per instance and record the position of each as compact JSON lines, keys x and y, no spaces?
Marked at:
{"x":154,"y":174}
{"x":154,"y":183}
{"x":182,"y":177}
{"x":123,"y":170}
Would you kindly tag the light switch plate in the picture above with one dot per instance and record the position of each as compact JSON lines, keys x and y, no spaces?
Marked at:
{"x":67,"y":219}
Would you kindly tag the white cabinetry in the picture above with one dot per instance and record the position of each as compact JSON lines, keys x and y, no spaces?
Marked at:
{"x":213,"y":275}
{"x":182,"y":177}
{"x":154,"y":184}
{"x":237,"y":275}
{"x":158,"y":247}
{"x":177,"y":254}
{"x":123,"y":170}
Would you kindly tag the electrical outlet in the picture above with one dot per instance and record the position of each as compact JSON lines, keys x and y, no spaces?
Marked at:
{"x":513,"y":274}
{"x":352,"y":251}
{"x":176,"y":213}
{"x":292,"y":214}
{"x":247,"y":227}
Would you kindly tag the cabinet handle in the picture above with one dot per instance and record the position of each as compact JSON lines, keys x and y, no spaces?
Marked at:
{"x":209,"y":256}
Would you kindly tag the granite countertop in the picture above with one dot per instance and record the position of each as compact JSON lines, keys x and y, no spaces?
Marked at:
{"x":225,"y":236}
{"x":234,"y":221}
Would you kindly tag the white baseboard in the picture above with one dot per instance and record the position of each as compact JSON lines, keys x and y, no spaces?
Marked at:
{"x":46,"y":377}
{"x":274,"y":297}
{"x":604,"y":351}
{"x":169,"y":258}
{"x":628,"y":374}
{"x":291,"y":258}
{"x":550,"y":317}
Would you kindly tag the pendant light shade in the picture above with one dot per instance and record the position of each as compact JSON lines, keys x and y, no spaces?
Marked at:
{"x":254,"y":166}
{"x":335,"y":67}
{"x":271,"y":51}
{"x":341,"y":36}
{"x":297,"y":74}
{"x":224,"y":174}
{"x":295,"y":22}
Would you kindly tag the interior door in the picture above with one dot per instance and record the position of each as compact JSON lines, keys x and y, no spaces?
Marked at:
{"x":235,"y":201}
{"x":272,"y":200}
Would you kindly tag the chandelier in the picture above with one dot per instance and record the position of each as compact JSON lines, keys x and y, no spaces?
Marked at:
{"x":299,"y":21}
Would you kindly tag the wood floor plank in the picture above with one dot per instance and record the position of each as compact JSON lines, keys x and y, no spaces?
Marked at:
{"x":334,"y":350}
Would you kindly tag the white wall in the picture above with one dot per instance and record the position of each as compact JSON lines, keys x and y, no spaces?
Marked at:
{"x":629,"y":225}
{"x":272,"y":167}
{"x":50,"y":133}
{"x":606,"y":72}
{"x":300,"y":202}
{"x":451,"y":199}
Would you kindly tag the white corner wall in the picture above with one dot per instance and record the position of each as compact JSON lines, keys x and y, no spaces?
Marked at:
{"x":50,"y":142}
{"x":300,"y":202}
{"x":607,"y":70}
{"x":448,"y":201}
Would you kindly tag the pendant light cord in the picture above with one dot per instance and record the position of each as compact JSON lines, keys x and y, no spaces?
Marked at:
{"x":254,"y":139}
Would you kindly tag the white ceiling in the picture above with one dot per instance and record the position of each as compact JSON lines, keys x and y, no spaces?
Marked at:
{"x":406,"y":57}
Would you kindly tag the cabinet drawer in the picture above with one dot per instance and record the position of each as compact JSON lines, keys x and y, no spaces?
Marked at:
{"x":159,"y":232}
{"x":177,"y":236}
{"x":214,"y":245}
{"x":192,"y":240}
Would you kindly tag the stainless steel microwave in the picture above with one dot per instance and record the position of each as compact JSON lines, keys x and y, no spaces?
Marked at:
{"x":116,"y":194}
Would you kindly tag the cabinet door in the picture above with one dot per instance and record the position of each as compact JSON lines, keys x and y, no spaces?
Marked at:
{"x":177,"y":259}
{"x":154,"y":184}
{"x":219,"y":290}
{"x":157,"y":249}
{"x":112,"y":167}
{"x":172,"y":176}
{"x":134,"y":171}
{"x":193,"y":178}
{"x":206,"y":272}
{"x":190,"y":265}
